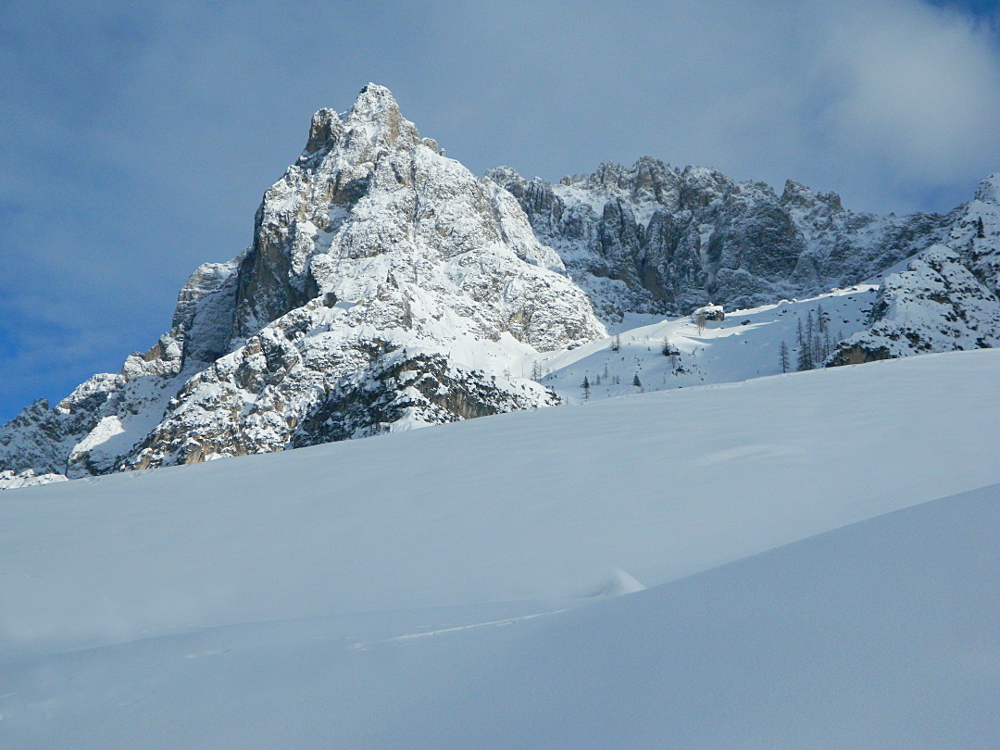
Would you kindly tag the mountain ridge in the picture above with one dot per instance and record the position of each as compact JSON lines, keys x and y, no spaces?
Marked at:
{"x":655,"y":239}
{"x":388,"y":288}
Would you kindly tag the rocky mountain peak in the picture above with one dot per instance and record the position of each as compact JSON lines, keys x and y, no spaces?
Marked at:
{"x":386,"y":288}
{"x":376,"y":116}
{"x":373,"y":121}
{"x":798,"y":195}
{"x":375,"y":102}
{"x":989,"y":190}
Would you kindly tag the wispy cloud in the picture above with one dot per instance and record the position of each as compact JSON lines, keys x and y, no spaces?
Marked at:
{"x":914,"y":91}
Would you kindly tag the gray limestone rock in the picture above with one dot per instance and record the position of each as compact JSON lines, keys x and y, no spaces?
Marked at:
{"x":656,"y":239}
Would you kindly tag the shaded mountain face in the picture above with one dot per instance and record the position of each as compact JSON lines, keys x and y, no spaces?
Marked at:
{"x":386,"y":288}
{"x":656,"y":239}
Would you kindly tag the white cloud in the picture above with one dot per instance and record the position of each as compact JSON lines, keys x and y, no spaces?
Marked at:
{"x":916,"y":89}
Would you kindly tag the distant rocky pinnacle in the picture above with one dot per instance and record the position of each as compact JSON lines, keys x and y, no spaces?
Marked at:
{"x":388,"y":288}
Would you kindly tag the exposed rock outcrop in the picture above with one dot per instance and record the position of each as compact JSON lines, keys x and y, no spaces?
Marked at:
{"x":946,"y":299}
{"x":653,"y":238}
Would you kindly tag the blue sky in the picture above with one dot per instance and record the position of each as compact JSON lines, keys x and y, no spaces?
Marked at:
{"x":139,"y":138}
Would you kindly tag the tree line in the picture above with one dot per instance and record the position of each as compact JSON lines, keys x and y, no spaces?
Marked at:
{"x":813,"y":342}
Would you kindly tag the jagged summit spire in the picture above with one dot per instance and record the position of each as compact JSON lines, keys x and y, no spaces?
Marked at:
{"x":372,"y":100}
{"x":375,"y":119}
{"x":989,"y":189}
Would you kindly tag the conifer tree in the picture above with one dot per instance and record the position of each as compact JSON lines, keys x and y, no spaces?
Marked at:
{"x":783,"y":356}
{"x":822,"y":347}
{"x":586,"y":388}
{"x":804,"y":361}
{"x":636,"y":382}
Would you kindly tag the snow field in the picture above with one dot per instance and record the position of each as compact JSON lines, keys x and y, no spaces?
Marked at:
{"x":450,"y":587}
{"x":881,"y":634}
{"x":745,"y":345}
{"x":533,"y":505}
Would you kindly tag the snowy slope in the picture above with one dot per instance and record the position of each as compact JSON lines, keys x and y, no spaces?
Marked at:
{"x":329,"y":568}
{"x":537,"y":505}
{"x":882,"y":634}
{"x":747,"y":344}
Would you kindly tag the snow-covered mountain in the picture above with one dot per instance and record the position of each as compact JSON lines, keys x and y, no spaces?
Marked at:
{"x":652,"y":238}
{"x":388,"y":288}
{"x":753,"y":557}
{"x":946,"y":298}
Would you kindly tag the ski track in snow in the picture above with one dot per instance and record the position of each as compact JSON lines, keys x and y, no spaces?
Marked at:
{"x":441,"y":631}
{"x":879,"y":634}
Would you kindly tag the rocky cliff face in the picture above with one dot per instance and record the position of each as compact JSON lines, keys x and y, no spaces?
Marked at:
{"x":386,"y":288}
{"x":652,"y":238}
{"x":946,"y":299}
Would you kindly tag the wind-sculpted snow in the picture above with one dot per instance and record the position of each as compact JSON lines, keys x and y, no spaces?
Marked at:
{"x":381,"y":274}
{"x":882,"y":634}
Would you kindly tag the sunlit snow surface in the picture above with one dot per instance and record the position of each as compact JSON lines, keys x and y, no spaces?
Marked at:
{"x":747,"y":344}
{"x":339,"y":596}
